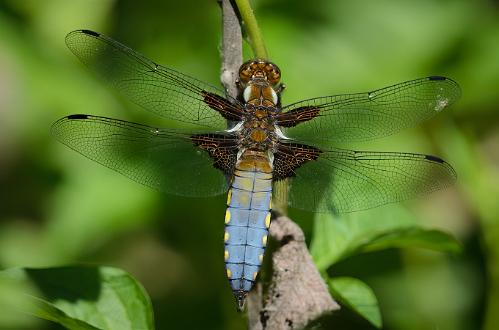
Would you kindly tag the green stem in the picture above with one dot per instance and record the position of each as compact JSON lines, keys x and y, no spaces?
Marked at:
{"x":254,"y":34}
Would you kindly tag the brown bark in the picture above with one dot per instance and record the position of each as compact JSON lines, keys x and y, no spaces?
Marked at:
{"x":232,"y":48}
{"x":296,"y":294}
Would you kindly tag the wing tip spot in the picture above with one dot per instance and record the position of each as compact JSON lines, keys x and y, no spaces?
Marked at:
{"x":77,"y":116}
{"x":90,"y":32}
{"x":433,"y":78}
{"x":435,"y":159}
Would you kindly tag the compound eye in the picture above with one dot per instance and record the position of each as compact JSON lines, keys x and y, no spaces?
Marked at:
{"x":274,"y":77}
{"x":273,"y":73}
{"x":245,"y":72}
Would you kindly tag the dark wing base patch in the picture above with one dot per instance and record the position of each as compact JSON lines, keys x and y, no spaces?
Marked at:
{"x":228,"y":110}
{"x":297,"y":116}
{"x":221,"y":148}
{"x":290,"y":156}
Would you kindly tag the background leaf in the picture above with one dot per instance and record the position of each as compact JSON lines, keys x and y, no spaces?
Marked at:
{"x":50,"y":312}
{"x":358,"y":296}
{"x":338,"y":237}
{"x":81,"y":297}
{"x":413,"y":237}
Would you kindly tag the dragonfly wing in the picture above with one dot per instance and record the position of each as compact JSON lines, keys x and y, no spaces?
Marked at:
{"x":171,"y":161}
{"x":161,"y":90}
{"x":341,"y":180}
{"x":365,"y":116}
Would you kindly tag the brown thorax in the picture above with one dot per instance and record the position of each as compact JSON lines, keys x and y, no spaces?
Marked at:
{"x":259,"y":88}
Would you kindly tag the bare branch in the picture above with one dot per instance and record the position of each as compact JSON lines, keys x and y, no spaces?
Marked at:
{"x":297,"y":293}
{"x":232,"y":48}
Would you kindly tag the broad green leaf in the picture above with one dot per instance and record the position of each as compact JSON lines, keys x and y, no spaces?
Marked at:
{"x":414,"y":237}
{"x":336,"y":238}
{"x":79,"y":297}
{"x":48,"y":311}
{"x":358,"y":296}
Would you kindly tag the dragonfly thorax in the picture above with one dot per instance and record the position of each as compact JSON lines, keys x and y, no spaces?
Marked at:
{"x":258,"y":93}
{"x":257,"y":135}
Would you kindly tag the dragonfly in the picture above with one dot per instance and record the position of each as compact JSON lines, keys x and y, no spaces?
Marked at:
{"x":250,"y":145}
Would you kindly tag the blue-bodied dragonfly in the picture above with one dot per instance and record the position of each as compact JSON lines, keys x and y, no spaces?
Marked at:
{"x":245,"y":146}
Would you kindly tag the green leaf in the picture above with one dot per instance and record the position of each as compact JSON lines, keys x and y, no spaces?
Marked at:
{"x":48,"y":311}
{"x":414,"y":237}
{"x":336,"y":238}
{"x":79,"y":297}
{"x":358,"y":296}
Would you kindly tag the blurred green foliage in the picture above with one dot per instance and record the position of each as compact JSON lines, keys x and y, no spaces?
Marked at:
{"x":58,"y":207}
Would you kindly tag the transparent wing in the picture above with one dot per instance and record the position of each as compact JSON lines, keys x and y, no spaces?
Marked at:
{"x":345,"y":180}
{"x":365,"y":116}
{"x":158,"y":89}
{"x":165,"y":160}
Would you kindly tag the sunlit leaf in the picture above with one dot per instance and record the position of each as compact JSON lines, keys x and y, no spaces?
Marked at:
{"x":358,"y":296}
{"x":79,"y":297}
{"x":50,"y":312}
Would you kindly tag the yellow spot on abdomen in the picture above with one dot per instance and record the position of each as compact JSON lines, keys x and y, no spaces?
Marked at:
{"x":226,"y":236}
{"x":270,"y":204}
{"x":254,"y":275}
{"x":229,"y":196}
{"x":226,"y":255}
{"x":264,"y":240}
{"x":229,"y":273}
{"x":267,"y":220}
{"x":227,"y":216}
{"x":244,"y":199}
{"x":245,"y":183}
{"x":260,"y":257}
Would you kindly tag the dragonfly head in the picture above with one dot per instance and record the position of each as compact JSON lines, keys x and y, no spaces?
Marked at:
{"x":258,"y":82}
{"x":258,"y":70}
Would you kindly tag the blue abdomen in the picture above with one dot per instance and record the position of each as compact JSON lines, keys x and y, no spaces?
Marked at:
{"x":247,"y":221}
